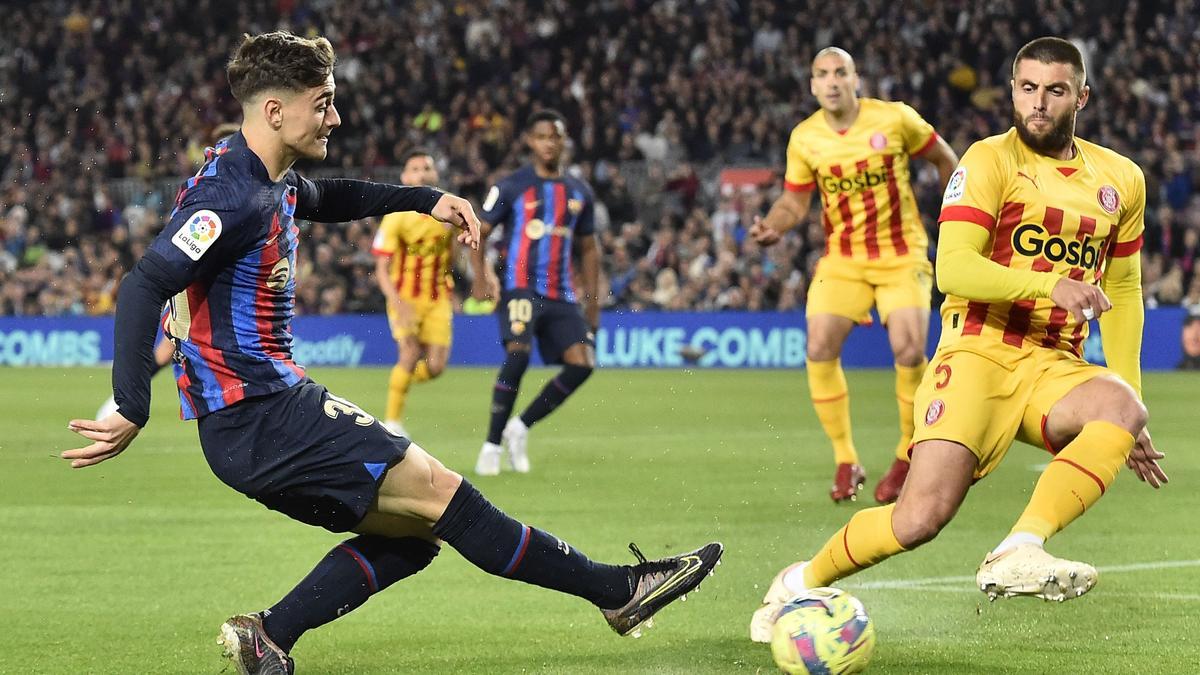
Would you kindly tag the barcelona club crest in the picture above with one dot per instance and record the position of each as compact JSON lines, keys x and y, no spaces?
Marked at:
{"x":574,"y":206}
{"x":517,"y":327}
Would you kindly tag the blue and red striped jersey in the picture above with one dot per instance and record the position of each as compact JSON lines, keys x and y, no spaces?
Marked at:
{"x":541,"y":218}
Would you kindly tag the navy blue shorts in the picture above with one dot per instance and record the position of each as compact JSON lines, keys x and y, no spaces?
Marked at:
{"x":303,"y":452}
{"x":556,"y":324}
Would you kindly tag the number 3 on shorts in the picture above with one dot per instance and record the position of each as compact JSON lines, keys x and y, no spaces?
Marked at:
{"x":336,"y":405}
{"x":520,"y":309}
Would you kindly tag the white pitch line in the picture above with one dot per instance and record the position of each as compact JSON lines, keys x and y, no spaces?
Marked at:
{"x":942,"y":581}
{"x":965,"y":590}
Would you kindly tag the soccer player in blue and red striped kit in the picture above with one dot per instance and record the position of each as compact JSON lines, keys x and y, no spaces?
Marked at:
{"x":227,"y":262}
{"x":547,"y":218}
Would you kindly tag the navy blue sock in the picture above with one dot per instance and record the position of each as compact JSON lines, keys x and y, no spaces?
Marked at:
{"x":505,"y":393}
{"x":555,"y":392}
{"x":353,"y":571}
{"x":499,"y":545}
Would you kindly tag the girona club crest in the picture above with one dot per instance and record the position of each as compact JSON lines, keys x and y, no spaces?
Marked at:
{"x":1108,"y":198}
{"x":878,"y":141}
{"x":934,"y":412}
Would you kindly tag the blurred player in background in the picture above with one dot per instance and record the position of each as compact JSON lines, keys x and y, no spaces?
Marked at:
{"x":227,"y":262}
{"x":164,"y":351}
{"x":414,"y":256}
{"x":855,"y":152}
{"x":547,"y":221}
{"x":1040,"y":233}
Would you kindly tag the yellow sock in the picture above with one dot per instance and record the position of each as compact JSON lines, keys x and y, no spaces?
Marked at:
{"x":907,"y":380}
{"x":397,"y":393}
{"x":831,"y":399}
{"x":864,"y":541}
{"x":1075,"y":478}
{"x":421,"y":372}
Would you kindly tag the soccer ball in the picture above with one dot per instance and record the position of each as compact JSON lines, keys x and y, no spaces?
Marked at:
{"x":823,"y":631}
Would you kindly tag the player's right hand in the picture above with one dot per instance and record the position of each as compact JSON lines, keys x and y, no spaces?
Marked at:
{"x":1085,"y":301}
{"x":763,"y":235}
{"x":109,"y":437}
{"x":458,"y":212}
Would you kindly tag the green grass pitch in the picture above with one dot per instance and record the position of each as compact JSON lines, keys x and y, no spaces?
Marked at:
{"x":130,"y":567}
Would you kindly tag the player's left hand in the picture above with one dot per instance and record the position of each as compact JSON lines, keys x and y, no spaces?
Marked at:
{"x":1143,"y":460}
{"x":110,"y":436}
{"x":458,"y":212}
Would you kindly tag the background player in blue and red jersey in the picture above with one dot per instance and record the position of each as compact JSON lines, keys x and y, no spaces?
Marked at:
{"x":226,"y":260}
{"x":547,"y":218}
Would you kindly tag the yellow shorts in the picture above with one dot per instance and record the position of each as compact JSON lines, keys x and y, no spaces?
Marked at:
{"x":985,"y":396}
{"x":849,"y":288}
{"x":430,"y":322}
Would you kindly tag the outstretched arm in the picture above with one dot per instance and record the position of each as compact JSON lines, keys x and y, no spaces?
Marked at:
{"x":337,"y":200}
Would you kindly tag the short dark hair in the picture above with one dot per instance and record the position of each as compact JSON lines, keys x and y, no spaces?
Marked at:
{"x":414,"y":153}
{"x":546,"y":115}
{"x":1053,"y":50}
{"x":278,"y":60}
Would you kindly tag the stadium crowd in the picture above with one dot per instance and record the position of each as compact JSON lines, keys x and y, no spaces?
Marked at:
{"x":97,"y":96}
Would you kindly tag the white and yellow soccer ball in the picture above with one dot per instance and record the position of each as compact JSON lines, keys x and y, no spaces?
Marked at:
{"x":823,"y":631}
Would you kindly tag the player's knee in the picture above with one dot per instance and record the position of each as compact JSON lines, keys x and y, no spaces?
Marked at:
{"x":1135,"y":416}
{"x":822,"y":350}
{"x":910,"y":355}
{"x":916,"y":526}
{"x":435,"y":368}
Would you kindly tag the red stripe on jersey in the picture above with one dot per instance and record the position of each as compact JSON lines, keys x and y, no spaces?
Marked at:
{"x":843,"y":203}
{"x":1010,"y":217}
{"x":560,"y":213}
{"x":800,"y":187}
{"x":402,"y":251}
{"x":826,"y":222}
{"x":522,"y":267}
{"x":872,"y":216}
{"x":435,"y":282}
{"x":928,"y":144}
{"x":976,"y":316}
{"x":1127,"y":248}
{"x":202,"y":337}
{"x":183,"y":382}
{"x":1021,"y":314}
{"x":968,"y":214}
{"x":1058,"y":315}
{"x":897,"y":222}
{"x":418,"y":264}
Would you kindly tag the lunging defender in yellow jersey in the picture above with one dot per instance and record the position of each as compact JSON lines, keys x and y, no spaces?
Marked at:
{"x":413,"y":263}
{"x":854,"y":153}
{"x":1040,"y":234}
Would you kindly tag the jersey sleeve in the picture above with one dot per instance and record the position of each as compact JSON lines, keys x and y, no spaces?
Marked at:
{"x":587,"y":216}
{"x":918,"y":134}
{"x":1133,"y":217}
{"x":497,"y":205}
{"x":798,"y":176}
{"x":975,"y":191}
{"x":203,"y":231}
{"x":387,"y":239}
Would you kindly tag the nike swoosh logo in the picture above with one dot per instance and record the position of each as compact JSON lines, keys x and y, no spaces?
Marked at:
{"x":271,"y":240}
{"x":533,"y":204}
{"x":693,"y":564}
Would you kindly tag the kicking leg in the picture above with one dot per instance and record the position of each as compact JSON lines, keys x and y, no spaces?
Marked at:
{"x":937,"y":483}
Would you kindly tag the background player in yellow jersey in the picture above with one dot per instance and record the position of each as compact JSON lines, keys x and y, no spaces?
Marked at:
{"x":414,"y":255}
{"x":854,"y":152}
{"x":1040,"y":233}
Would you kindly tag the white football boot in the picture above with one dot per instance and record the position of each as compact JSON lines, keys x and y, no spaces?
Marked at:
{"x":488,"y":463}
{"x":516,"y":438}
{"x":776,"y":597}
{"x":1028,"y":570}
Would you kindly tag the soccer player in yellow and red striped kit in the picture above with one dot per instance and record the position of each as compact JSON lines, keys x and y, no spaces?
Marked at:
{"x":1040,"y":233}
{"x":413,"y":264}
{"x":854,"y":152}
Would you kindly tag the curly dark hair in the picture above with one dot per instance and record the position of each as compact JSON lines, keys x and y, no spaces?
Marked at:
{"x":278,"y":60}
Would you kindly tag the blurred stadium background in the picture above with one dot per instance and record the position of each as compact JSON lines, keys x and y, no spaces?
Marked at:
{"x":678,"y":113}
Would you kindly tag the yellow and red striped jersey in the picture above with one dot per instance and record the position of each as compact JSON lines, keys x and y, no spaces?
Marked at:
{"x":1046,"y":215}
{"x":419,"y":247}
{"x":868,"y":207}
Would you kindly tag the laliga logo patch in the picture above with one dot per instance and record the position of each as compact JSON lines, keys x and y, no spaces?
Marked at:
{"x":956,"y":187}
{"x":198,"y":233}
{"x":934,"y":413}
{"x":878,"y":141}
{"x":535,"y":229}
{"x":1108,"y":198}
